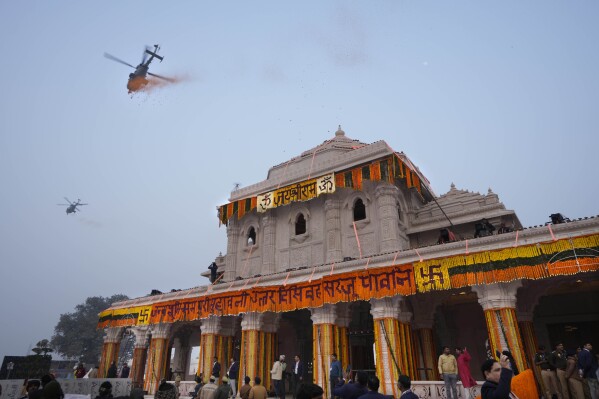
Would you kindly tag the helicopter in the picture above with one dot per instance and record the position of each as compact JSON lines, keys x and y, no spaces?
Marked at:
{"x":137,"y":79}
{"x":72,"y":206}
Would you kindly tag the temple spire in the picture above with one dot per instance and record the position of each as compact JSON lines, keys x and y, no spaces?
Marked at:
{"x":339,"y":132}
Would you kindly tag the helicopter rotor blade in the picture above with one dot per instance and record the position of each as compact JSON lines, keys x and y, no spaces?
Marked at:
{"x":144,"y":55}
{"x":113,"y":58}
{"x":161,"y":77}
{"x":68,"y":200}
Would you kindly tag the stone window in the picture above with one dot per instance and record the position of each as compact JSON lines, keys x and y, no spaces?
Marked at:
{"x":359,"y":210}
{"x":251,"y":236}
{"x":300,"y":224}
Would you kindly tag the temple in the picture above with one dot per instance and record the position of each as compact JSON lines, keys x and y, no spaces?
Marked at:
{"x":346,"y":249}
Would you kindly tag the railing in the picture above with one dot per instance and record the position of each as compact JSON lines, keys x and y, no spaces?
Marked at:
{"x":424,"y":389}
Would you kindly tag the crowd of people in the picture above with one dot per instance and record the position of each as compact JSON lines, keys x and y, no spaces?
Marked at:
{"x":568,"y":374}
{"x":565,"y":375}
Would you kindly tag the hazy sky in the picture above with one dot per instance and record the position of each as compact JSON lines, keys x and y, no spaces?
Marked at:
{"x":500,"y":94}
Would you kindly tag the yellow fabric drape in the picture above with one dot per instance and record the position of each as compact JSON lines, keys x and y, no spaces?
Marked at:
{"x":110,"y":353}
{"x":156,"y":364}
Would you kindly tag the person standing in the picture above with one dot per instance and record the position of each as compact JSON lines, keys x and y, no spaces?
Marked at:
{"x":463,"y":359}
{"x":558,"y":360}
{"x":278,"y":368}
{"x":213,"y":272}
{"x":258,"y":391}
{"x":111,"y":373}
{"x":216,"y":368}
{"x":93,"y":373}
{"x":547,"y":373}
{"x":498,"y":379}
{"x":574,"y":380}
{"x":297,"y":375}
{"x":208,"y":389}
{"x":244,"y":391}
{"x":352,"y":390}
{"x":373,"y":389}
{"x":125,"y":371}
{"x":233,"y":373}
{"x":223,"y":391}
{"x":335,"y":373}
{"x":80,"y":371}
{"x":448,"y":370}
{"x":404,"y":385}
{"x":587,"y":368}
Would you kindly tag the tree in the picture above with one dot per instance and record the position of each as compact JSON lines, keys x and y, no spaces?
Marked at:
{"x":43,"y":348}
{"x":76,"y":336}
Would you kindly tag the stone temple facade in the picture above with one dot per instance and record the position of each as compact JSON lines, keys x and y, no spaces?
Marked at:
{"x":346,"y":249}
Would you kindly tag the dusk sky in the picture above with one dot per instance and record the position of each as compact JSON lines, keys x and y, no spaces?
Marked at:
{"x":494,"y":94}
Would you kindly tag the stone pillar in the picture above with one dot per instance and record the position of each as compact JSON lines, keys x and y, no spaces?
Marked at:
{"x":387,"y":197}
{"x":333,"y":230}
{"x":323,"y":327}
{"x":342,"y":334}
{"x":251,"y":360}
{"x":499,"y":304}
{"x":232,"y":245}
{"x":424,"y":307}
{"x":269,"y":224}
{"x":394,"y":352}
{"x":140,"y":353}
{"x":157,"y":357}
{"x":110,"y":349}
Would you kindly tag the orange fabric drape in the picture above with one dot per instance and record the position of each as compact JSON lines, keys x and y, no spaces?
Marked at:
{"x":502,"y":323}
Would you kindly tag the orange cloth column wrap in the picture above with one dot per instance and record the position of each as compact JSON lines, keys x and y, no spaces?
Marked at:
{"x":393,"y":349}
{"x":529,"y":339}
{"x":110,"y":353}
{"x":156,"y":364}
{"x":224,"y":352}
{"x":323,"y":344}
{"x":249,"y":362}
{"x":207,"y":353}
{"x":502,"y":323}
{"x":138,"y":365}
{"x":425,"y":344}
{"x":268,"y":348}
{"x":342,"y":346}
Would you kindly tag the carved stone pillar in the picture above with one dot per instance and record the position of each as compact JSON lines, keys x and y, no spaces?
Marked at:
{"x":386,"y":196}
{"x":157,"y":357}
{"x":110,"y":349}
{"x":333,"y":234}
{"x":140,"y":353}
{"x":269,"y":223}
{"x":393,"y":342}
{"x":499,"y":304}
{"x":323,"y":327}
{"x":232,"y":245}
